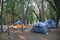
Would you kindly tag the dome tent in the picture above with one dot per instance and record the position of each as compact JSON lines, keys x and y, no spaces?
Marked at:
{"x":40,"y":27}
{"x":50,"y":23}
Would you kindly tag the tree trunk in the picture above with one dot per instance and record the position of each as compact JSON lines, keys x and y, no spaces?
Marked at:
{"x":26,"y":14}
{"x":1,"y":16}
{"x":22,"y":11}
{"x":12,"y":10}
{"x":50,"y":10}
{"x":57,"y":3}
{"x":39,"y":16}
{"x":8,"y":16}
{"x":42,"y":14}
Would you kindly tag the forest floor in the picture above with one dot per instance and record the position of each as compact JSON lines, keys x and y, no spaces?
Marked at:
{"x":54,"y":34}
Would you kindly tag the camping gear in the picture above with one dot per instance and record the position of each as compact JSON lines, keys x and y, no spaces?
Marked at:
{"x":50,"y":23}
{"x":40,"y":27}
{"x":18,"y":22}
{"x":19,"y":26}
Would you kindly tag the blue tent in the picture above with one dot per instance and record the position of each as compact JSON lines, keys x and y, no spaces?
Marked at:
{"x":40,"y":27}
{"x":50,"y":23}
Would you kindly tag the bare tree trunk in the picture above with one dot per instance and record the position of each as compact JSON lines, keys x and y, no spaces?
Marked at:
{"x":8,"y":17}
{"x":26,"y":14}
{"x":42,"y":14}
{"x":1,"y":16}
{"x":22,"y":11}
{"x":38,"y":5}
{"x":57,"y":3}
{"x":50,"y":10}
{"x":12,"y":10}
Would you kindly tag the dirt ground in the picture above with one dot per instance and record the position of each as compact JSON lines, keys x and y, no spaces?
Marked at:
{"x":54,"y":34}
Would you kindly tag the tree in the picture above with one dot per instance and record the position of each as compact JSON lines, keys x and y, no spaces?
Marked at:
{"x":12,"y":11}
{"x":22,"y":11}
{"x":38,"y":5}
{"x":53,"y":9}
{"x":57,"y":3}
{"x":1,"y":16}
{"x":42,"y":14}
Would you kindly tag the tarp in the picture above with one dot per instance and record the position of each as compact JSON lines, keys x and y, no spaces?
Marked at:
{"x":40,"y":27}
{"x":50,"y":23}
{"x":18,"y":22}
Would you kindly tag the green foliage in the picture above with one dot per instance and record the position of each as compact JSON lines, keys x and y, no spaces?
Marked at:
{"x":30,"y":16}
{"x":51,"y":2}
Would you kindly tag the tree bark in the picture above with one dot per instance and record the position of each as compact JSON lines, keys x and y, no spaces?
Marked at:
{"x":12,"y":10}
{"x":22,"y":11}
{"x":57,"y":3}
{"x":38,"y":17}
{"x":42,"y":14}
{"x":1,"y":16}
